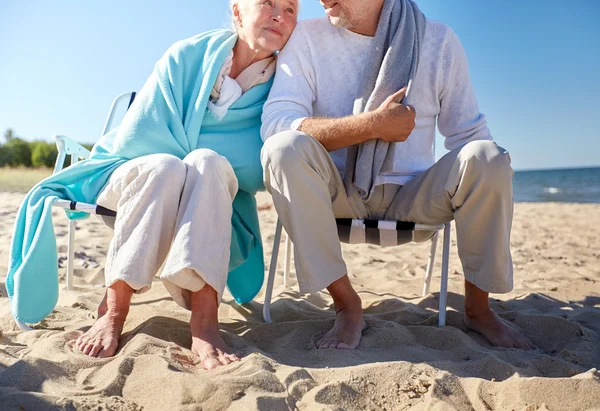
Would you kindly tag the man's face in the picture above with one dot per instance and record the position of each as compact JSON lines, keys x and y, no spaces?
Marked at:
{"x":345,"y":13}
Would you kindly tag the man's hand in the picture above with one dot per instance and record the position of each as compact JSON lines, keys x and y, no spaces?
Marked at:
{"x":391,"y":122}
{"x":394,"y":121}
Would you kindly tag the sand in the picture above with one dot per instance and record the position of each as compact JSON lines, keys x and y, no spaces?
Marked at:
{"x":403,"y":362}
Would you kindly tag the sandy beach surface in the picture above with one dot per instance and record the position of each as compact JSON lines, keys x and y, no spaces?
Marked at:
{"x":404,"y":362}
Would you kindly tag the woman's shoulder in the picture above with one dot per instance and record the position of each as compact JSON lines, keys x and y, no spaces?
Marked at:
{"x":203,"y":41}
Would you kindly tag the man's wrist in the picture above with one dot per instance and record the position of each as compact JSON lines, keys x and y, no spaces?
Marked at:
{"x":369,"y":124}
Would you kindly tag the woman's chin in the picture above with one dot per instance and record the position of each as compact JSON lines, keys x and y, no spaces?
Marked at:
{"x":270,"y":46}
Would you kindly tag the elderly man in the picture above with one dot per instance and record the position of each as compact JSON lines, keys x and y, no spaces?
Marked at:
{"x":345,"y":138}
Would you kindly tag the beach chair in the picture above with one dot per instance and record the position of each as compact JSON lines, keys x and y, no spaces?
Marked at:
{"x":68,"y":147}
{"x":378,"y":232}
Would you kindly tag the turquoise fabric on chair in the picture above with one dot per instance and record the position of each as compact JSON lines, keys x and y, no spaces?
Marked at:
{"x":169,"y":116}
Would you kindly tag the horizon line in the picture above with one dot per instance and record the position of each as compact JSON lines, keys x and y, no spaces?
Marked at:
{"x":558,"y":168}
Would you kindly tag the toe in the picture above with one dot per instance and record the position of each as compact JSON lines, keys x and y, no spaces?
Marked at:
{"x":323,"y":344}
{"x":81,"y":342}
{"x":332,"y":344}
{"x":95,"y":350}
{"x":87,"y":348}
{"x":329,"y":341}
{"x":105,"y":352}
{"x":344,"y":346}
{"x":232,"y":357}
{"x":108,"y":350}
{"x":211,"y":363}
{"x":527,"y":345}
{"x":223,"y":359}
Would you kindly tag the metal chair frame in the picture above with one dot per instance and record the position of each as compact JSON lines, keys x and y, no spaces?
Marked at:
{"x":428,"y":273}
{"x":68,"y":147}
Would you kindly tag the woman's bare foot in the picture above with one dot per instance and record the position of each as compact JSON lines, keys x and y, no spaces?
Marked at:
{"x":207,"y":343}
{"x":349,"y":324}
{"x":102,"y":340}
{"x":103,"y":306}
{"x":480,"y":318}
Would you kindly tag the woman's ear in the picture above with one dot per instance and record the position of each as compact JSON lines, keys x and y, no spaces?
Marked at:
{"x":237,"y":14}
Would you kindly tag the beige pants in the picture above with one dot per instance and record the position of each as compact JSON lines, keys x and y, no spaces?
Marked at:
{"x":174,"y":214}
{"x":471,"y":185}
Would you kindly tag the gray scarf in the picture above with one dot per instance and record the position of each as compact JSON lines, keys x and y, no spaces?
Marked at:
{"x":393,"y":63}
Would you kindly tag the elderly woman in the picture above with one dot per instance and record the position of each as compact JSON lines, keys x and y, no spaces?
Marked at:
{"x":181,"y":173}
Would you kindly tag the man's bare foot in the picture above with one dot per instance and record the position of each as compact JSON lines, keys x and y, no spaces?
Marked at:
{"x":349,"y":324}
{"x":497,"y":331}
{"x":207,"y":343}
{"x":480,"y":318}
{"x":102,"y":340}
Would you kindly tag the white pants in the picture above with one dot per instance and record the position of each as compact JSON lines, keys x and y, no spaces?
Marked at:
{"x":471,"y":185}
{"x":174,"y":214}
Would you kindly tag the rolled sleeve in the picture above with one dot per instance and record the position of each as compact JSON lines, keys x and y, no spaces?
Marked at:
{"x":293,"y":93}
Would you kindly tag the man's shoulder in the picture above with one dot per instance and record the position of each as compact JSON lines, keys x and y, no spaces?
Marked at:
{"x":436,"y":31}
{"x":440,"y":40}
{"x":312,"y":34}
{"x":318,"y":23}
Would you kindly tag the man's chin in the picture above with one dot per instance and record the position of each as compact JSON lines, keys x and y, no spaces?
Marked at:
{"x":337,"y":21}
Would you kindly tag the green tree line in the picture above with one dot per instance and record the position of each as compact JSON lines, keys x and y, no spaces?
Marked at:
{"x":17,"y":152}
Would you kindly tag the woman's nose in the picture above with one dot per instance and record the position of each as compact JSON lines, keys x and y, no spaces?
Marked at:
{"x":276,"y":16}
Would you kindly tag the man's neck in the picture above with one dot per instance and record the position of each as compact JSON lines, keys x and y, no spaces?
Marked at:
{"x":368,"y":27}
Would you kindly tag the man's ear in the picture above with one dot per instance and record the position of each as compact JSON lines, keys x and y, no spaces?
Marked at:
{"x":237,"y":14}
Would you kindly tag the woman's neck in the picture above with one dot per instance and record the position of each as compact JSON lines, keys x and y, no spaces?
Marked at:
{"x":244,"y":56}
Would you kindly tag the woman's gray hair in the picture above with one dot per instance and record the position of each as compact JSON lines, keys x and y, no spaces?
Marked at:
{"x":234,"y":25}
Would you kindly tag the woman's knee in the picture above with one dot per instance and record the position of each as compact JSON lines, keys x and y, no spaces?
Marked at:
{"x":166,"y":167}
{"x":165,"y":170}
{"x":206,"y":160}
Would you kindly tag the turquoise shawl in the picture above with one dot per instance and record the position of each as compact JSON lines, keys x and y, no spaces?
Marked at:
{"x":167,"y":117}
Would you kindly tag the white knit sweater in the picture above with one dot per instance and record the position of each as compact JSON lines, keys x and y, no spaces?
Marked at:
{"x":319,"y":74}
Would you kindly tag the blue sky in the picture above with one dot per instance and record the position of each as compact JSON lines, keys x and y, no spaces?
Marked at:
{"x":535,"y":65}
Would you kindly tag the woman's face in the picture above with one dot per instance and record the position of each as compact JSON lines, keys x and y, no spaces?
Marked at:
{"x":266,"y":25}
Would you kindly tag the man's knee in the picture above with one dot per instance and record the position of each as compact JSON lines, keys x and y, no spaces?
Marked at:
{"x":488,"y":160}
{"x":286,"y":149}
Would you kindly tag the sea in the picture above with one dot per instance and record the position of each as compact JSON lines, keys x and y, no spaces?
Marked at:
{"x":568,"y":185}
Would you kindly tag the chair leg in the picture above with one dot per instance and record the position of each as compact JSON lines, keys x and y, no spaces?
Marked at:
{"x":22,"y":325}
{"x":288,"y":257}
{"x":271,"y":278}
{"x":71,"y":254}
{"x":444,"y":284}
{"x":430,"y":262}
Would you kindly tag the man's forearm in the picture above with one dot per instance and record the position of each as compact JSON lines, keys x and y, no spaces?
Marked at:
{"x":340,"y":132}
